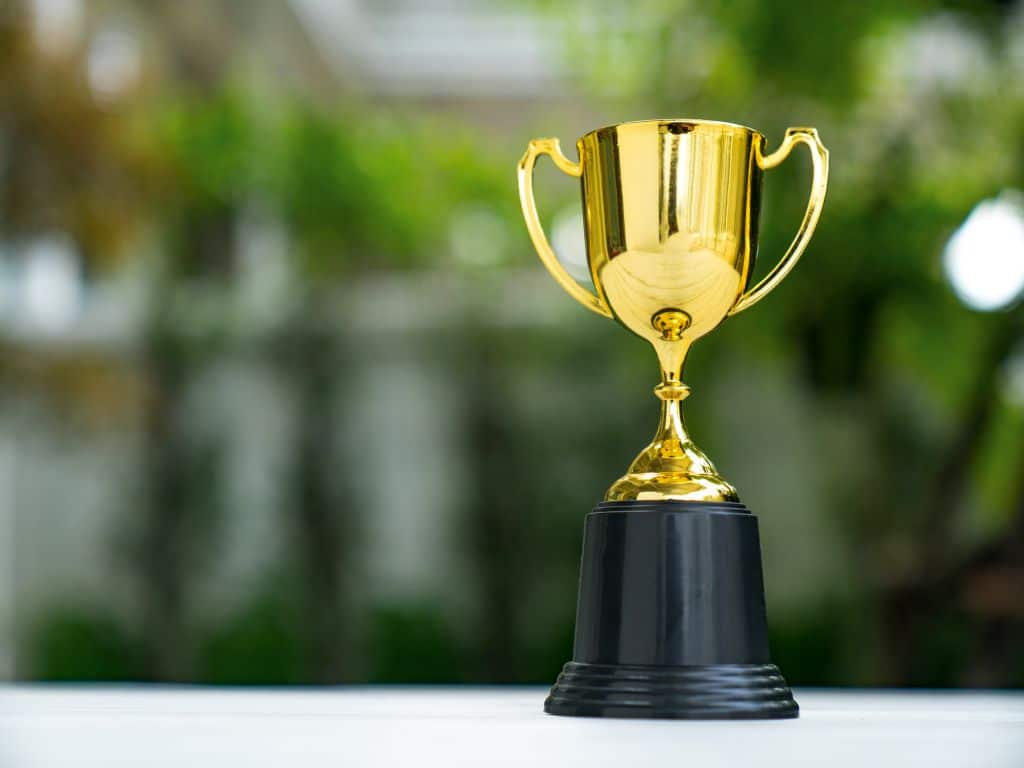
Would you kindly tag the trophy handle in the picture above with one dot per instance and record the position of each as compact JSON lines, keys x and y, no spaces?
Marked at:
{"x":819,"y":182}
{"x":524,"y":171}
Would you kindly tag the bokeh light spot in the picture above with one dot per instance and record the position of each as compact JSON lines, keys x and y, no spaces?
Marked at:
{"x":51,"y":288}
{"x":984,"y":259}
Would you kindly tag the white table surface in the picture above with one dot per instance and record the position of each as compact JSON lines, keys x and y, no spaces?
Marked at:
{"x":56,"y":726}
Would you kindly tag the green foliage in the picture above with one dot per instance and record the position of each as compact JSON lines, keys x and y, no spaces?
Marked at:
{"x":342,"y":188}
{"x":412,"y":643}
{"x":357,"y":189}
{"x":944,"y":645}
{"x":210,"y":149}
{"x":261,"y":645}
{"x":80,"y":645}
{"x":826,"y":645}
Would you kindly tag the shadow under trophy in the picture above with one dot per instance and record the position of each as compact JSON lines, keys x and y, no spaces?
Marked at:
{"x":671,"y":619}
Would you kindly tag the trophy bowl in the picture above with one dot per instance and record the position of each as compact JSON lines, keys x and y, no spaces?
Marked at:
{"x":671,"y":619}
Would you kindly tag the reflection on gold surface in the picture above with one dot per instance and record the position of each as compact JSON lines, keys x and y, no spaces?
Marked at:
{"x":671,"y":212}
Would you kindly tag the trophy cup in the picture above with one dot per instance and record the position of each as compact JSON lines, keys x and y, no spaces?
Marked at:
{"x":671,"y":619}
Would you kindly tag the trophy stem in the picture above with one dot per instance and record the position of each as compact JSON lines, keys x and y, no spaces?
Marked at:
{"x":671,"y":439}
{"x":671,"y":358}
{"x":671,"y":467}
{"x":671,"y":434}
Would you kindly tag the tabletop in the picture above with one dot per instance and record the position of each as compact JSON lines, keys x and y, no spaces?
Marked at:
{"x":343,"y":727}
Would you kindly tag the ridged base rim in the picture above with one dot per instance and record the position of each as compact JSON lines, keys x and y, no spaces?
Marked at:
{"x":717,"y":692}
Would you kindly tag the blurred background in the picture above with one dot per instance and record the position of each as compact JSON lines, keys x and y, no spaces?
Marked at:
{"x":287,"y":397}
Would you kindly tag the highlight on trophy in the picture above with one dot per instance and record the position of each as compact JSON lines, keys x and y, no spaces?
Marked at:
{"x":671,"y":618}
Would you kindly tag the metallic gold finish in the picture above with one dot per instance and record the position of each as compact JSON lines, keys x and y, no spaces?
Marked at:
{"x":551,"y":147}
{"x":671,"y":323}
{"x":671,"y":211}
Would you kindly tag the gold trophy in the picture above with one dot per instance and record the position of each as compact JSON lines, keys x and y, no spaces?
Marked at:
{"x":671,"y":619}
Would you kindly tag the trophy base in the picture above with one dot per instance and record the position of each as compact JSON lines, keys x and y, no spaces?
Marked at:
{"x":671,"y":619}
{"x":715,"y":692}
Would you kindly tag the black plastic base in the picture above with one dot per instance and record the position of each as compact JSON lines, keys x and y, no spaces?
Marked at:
{"x":717,"y":692}
{"x":671,"y":620}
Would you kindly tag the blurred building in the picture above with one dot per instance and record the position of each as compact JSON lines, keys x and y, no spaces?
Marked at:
{"x":285,"y":396}
{"x":73,"y":472}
